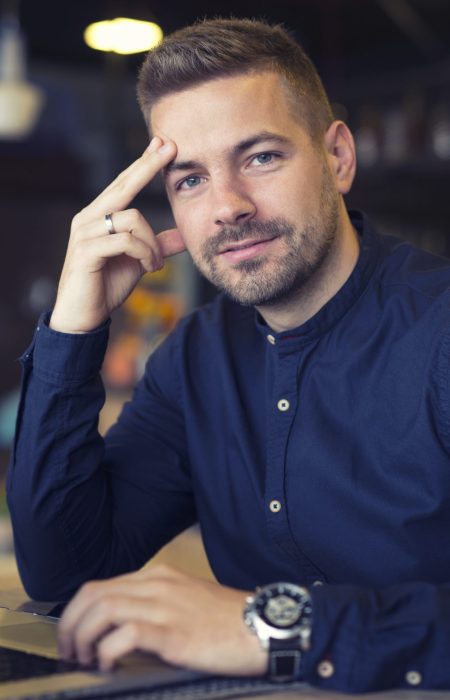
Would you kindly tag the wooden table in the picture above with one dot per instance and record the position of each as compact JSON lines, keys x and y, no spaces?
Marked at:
{"x":188,"y":554}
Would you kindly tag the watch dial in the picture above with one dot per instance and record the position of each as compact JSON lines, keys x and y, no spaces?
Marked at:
{"x":282,"y":611}
{"x":284,"y":605}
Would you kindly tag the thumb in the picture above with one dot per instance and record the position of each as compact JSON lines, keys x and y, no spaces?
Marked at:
{"x":170,"y":242}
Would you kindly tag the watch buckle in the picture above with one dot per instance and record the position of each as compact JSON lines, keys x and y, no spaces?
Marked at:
{"x":284,"y":665}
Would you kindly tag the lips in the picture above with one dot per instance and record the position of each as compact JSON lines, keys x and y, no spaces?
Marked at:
{"x":236,"y":253}
{"x":241,"y":245}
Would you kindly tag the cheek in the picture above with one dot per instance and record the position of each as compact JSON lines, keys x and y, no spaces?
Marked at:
{"x":190,"y":224}
{"x":283,"y":189}
{"x":298,"y":197}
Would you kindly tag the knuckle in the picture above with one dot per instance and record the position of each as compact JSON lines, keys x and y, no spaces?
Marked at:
{"x":162,"y":570}
{"x":77,"y":219}
{"x":132,"y":631}
{"x":135,"y":215}
{"x":89,"y":590}
{"x":172,"y":648}
{"x":120,"y":178}
{"x":80,"y":218}
{"x":105,"y":606}
{"x":121,"y":186}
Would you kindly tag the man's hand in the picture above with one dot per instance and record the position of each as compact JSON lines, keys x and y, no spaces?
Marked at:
{"x":186,"y":621}
{"x":101,"y":269}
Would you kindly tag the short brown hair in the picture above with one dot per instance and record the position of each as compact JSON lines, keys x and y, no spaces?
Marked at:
{"x":217,"y":48}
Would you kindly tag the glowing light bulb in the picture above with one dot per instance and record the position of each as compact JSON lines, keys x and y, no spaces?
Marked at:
{"x":123,"y":35}
{"x":20,"y":101}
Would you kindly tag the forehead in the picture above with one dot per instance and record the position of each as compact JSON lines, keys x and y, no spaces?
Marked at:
{"x":221,"y":112}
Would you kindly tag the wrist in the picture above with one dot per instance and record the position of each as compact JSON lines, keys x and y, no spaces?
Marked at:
{"x":60,"y":324}
{"x":280,"y":616}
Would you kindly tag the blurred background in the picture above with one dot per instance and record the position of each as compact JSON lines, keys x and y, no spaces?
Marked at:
{"x":69,"y":123}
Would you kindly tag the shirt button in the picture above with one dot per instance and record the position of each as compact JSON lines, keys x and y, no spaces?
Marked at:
{"x":325,"y":669}
{"x":271,"y":339}
{"x":275,"y":506}
{"x":318,"y":582}
{"x":283,"y":405}
{"x":413,"y":678}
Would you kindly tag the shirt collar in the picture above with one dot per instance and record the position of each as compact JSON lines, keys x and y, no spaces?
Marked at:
{"x":342,"y":301}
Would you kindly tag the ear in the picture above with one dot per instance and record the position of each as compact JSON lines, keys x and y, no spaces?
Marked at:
{"x":340,"y":148}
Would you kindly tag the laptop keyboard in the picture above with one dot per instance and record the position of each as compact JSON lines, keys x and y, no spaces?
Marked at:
{"x":209,"y":689}
{"x":19,"y":665}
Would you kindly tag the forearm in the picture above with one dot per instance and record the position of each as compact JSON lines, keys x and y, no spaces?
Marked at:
{"x":56,"y":493}
{"x":82,"y":507}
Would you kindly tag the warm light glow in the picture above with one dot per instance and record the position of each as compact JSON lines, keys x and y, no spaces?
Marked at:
{"x":123,"y":35}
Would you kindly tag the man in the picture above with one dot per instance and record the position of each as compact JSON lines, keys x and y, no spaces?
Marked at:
{"x":301,"y":418}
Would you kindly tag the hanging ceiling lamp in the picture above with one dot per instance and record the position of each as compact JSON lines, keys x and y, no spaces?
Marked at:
{"x":20,"y":101}
{"x":123,"y":35}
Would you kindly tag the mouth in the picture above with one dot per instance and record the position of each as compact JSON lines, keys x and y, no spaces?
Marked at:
{"x":244,"y":250}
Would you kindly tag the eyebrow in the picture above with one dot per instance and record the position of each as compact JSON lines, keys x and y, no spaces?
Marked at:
{"x":241,"y":147}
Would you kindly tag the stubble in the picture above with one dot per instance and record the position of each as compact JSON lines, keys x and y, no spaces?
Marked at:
{"x":271,"y":279}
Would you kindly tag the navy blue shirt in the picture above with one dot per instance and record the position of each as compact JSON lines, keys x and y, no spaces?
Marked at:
{"x":320,"y":454}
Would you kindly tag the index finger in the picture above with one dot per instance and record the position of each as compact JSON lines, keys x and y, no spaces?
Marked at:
{"x":118,"y":195}
{"x":87,"y":596}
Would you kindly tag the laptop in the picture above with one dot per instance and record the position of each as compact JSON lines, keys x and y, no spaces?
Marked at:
{"x":30,"y":668}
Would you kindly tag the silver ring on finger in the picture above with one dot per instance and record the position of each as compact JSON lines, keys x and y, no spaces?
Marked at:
{"x":109,"y":223}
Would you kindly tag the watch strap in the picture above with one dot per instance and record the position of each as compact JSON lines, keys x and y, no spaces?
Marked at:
{"x":284,"y":660}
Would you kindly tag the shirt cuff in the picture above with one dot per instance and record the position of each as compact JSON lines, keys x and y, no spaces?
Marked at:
{"x":73,"y":357}
{"x":336,"y":635}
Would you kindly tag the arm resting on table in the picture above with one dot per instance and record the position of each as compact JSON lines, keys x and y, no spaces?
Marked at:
{"x":81,"y":507}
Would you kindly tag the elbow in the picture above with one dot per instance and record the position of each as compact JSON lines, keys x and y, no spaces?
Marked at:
{"x":41,"y":586}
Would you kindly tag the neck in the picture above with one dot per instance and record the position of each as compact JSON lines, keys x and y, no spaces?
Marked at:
{"x":307,"y":301}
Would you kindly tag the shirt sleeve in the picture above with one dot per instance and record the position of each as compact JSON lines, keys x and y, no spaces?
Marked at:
{"x":84,"y":507}
{"x":370,"y":640}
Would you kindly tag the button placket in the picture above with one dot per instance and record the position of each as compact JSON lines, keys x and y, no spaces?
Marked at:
{"x":284,"y":368}
{"x":281,"y":412}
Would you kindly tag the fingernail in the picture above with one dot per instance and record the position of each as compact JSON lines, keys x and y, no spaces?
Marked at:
{"x":164,"y":148}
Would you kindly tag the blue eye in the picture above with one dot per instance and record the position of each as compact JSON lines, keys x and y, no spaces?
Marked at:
{"x":264,"y":158}
{"x":190,"y":182}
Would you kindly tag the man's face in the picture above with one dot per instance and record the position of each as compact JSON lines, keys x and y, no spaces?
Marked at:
{"x":254,"y":200}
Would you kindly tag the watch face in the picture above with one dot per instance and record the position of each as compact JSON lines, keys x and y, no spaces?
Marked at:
{"x":283,"y":605}
{"x":282,"y":611}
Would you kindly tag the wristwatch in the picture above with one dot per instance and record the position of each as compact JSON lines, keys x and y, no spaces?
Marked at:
{"x":280,"y":614}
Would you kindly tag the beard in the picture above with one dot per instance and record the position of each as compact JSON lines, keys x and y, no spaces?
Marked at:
{"x":272,"y":279}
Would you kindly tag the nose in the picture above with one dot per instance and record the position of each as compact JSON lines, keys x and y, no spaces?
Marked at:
{"x":232,"y":205}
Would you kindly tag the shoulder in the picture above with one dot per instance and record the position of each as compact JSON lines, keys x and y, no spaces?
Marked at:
{"x":408,"y":294}
{"x":418,"y":272}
